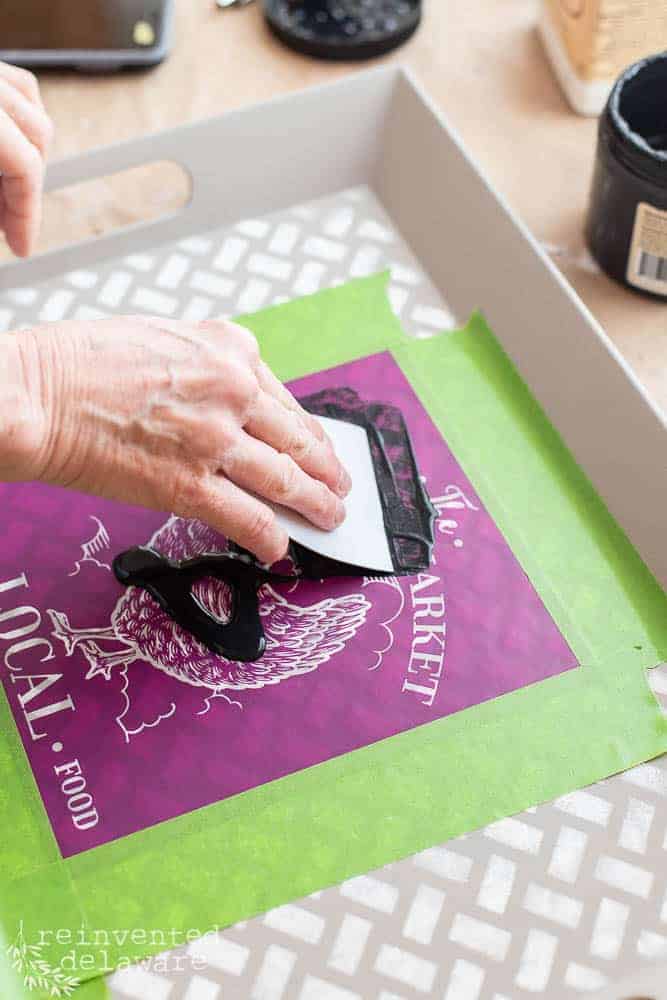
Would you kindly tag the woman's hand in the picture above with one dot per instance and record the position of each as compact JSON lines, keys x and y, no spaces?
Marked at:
{"x":173,"y":416}
{"x":25,"y":137}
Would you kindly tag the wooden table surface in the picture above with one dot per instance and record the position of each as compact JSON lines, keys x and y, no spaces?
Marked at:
{"x":482,"y":62}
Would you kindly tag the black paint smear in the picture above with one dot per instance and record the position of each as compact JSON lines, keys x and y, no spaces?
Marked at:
{"x":409,"y":520}
{"x":409,"y":515}
{"x":170,"y":584}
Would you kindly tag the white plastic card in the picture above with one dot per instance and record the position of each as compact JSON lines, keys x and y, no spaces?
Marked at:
{"x":361,"y":539}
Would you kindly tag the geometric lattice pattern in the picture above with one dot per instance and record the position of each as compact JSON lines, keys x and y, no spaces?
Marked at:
{"x":551,"y":903}
{"x":257,"y":263}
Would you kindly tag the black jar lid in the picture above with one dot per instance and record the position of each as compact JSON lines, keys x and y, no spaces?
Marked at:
{"x":343,"y":29}
{"x":634,"y":122}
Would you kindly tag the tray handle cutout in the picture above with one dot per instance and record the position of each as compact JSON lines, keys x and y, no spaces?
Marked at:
{"x":92,"y":208}
{"x":195,"y":170}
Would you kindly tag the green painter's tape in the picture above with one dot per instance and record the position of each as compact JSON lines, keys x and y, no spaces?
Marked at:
{"x":587,"y":572}
{"x":239,"y":857}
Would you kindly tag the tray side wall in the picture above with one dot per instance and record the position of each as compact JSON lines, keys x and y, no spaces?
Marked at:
{"x":480,"y":256}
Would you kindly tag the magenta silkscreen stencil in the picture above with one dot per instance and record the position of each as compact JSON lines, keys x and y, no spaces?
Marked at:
{"x":101,"y":683}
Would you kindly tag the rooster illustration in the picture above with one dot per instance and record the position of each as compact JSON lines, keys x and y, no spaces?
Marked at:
{"x":298,"y":638}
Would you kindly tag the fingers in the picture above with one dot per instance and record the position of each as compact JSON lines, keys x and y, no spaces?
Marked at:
{"x":257,"y":467}
{"x":277,"y":419}
{"x":22,"y":171}
{"x":244,"y":343}
{"x":31,"y":118}
{"x":25,"y":137}
{"x":23,"y":80}
{"x":234,"y":513}
{"x":275,"y":388}
{"x":290,"y":432}
{"x":241,"y":340}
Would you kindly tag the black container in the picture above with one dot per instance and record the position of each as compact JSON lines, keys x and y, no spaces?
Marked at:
{"x":343,"y":29}
{"x":626,"y":227}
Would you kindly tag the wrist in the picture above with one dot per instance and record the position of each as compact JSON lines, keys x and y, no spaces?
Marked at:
{"x":22,"y":416}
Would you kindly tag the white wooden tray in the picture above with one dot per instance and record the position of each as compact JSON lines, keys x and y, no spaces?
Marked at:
{"x":298,"y":194}
{"x":378,"y":128}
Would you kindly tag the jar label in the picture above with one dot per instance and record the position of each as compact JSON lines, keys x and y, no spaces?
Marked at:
{"x":647,"y":262}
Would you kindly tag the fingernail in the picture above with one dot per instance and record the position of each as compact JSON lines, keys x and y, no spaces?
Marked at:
{"x":277,"y":551}
{"x":339,"y":514}
{"x":283,"y":547}
{"x":344,"y":483}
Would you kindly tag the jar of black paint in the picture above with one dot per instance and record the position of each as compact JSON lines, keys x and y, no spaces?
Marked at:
{"x":626,"y":228}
